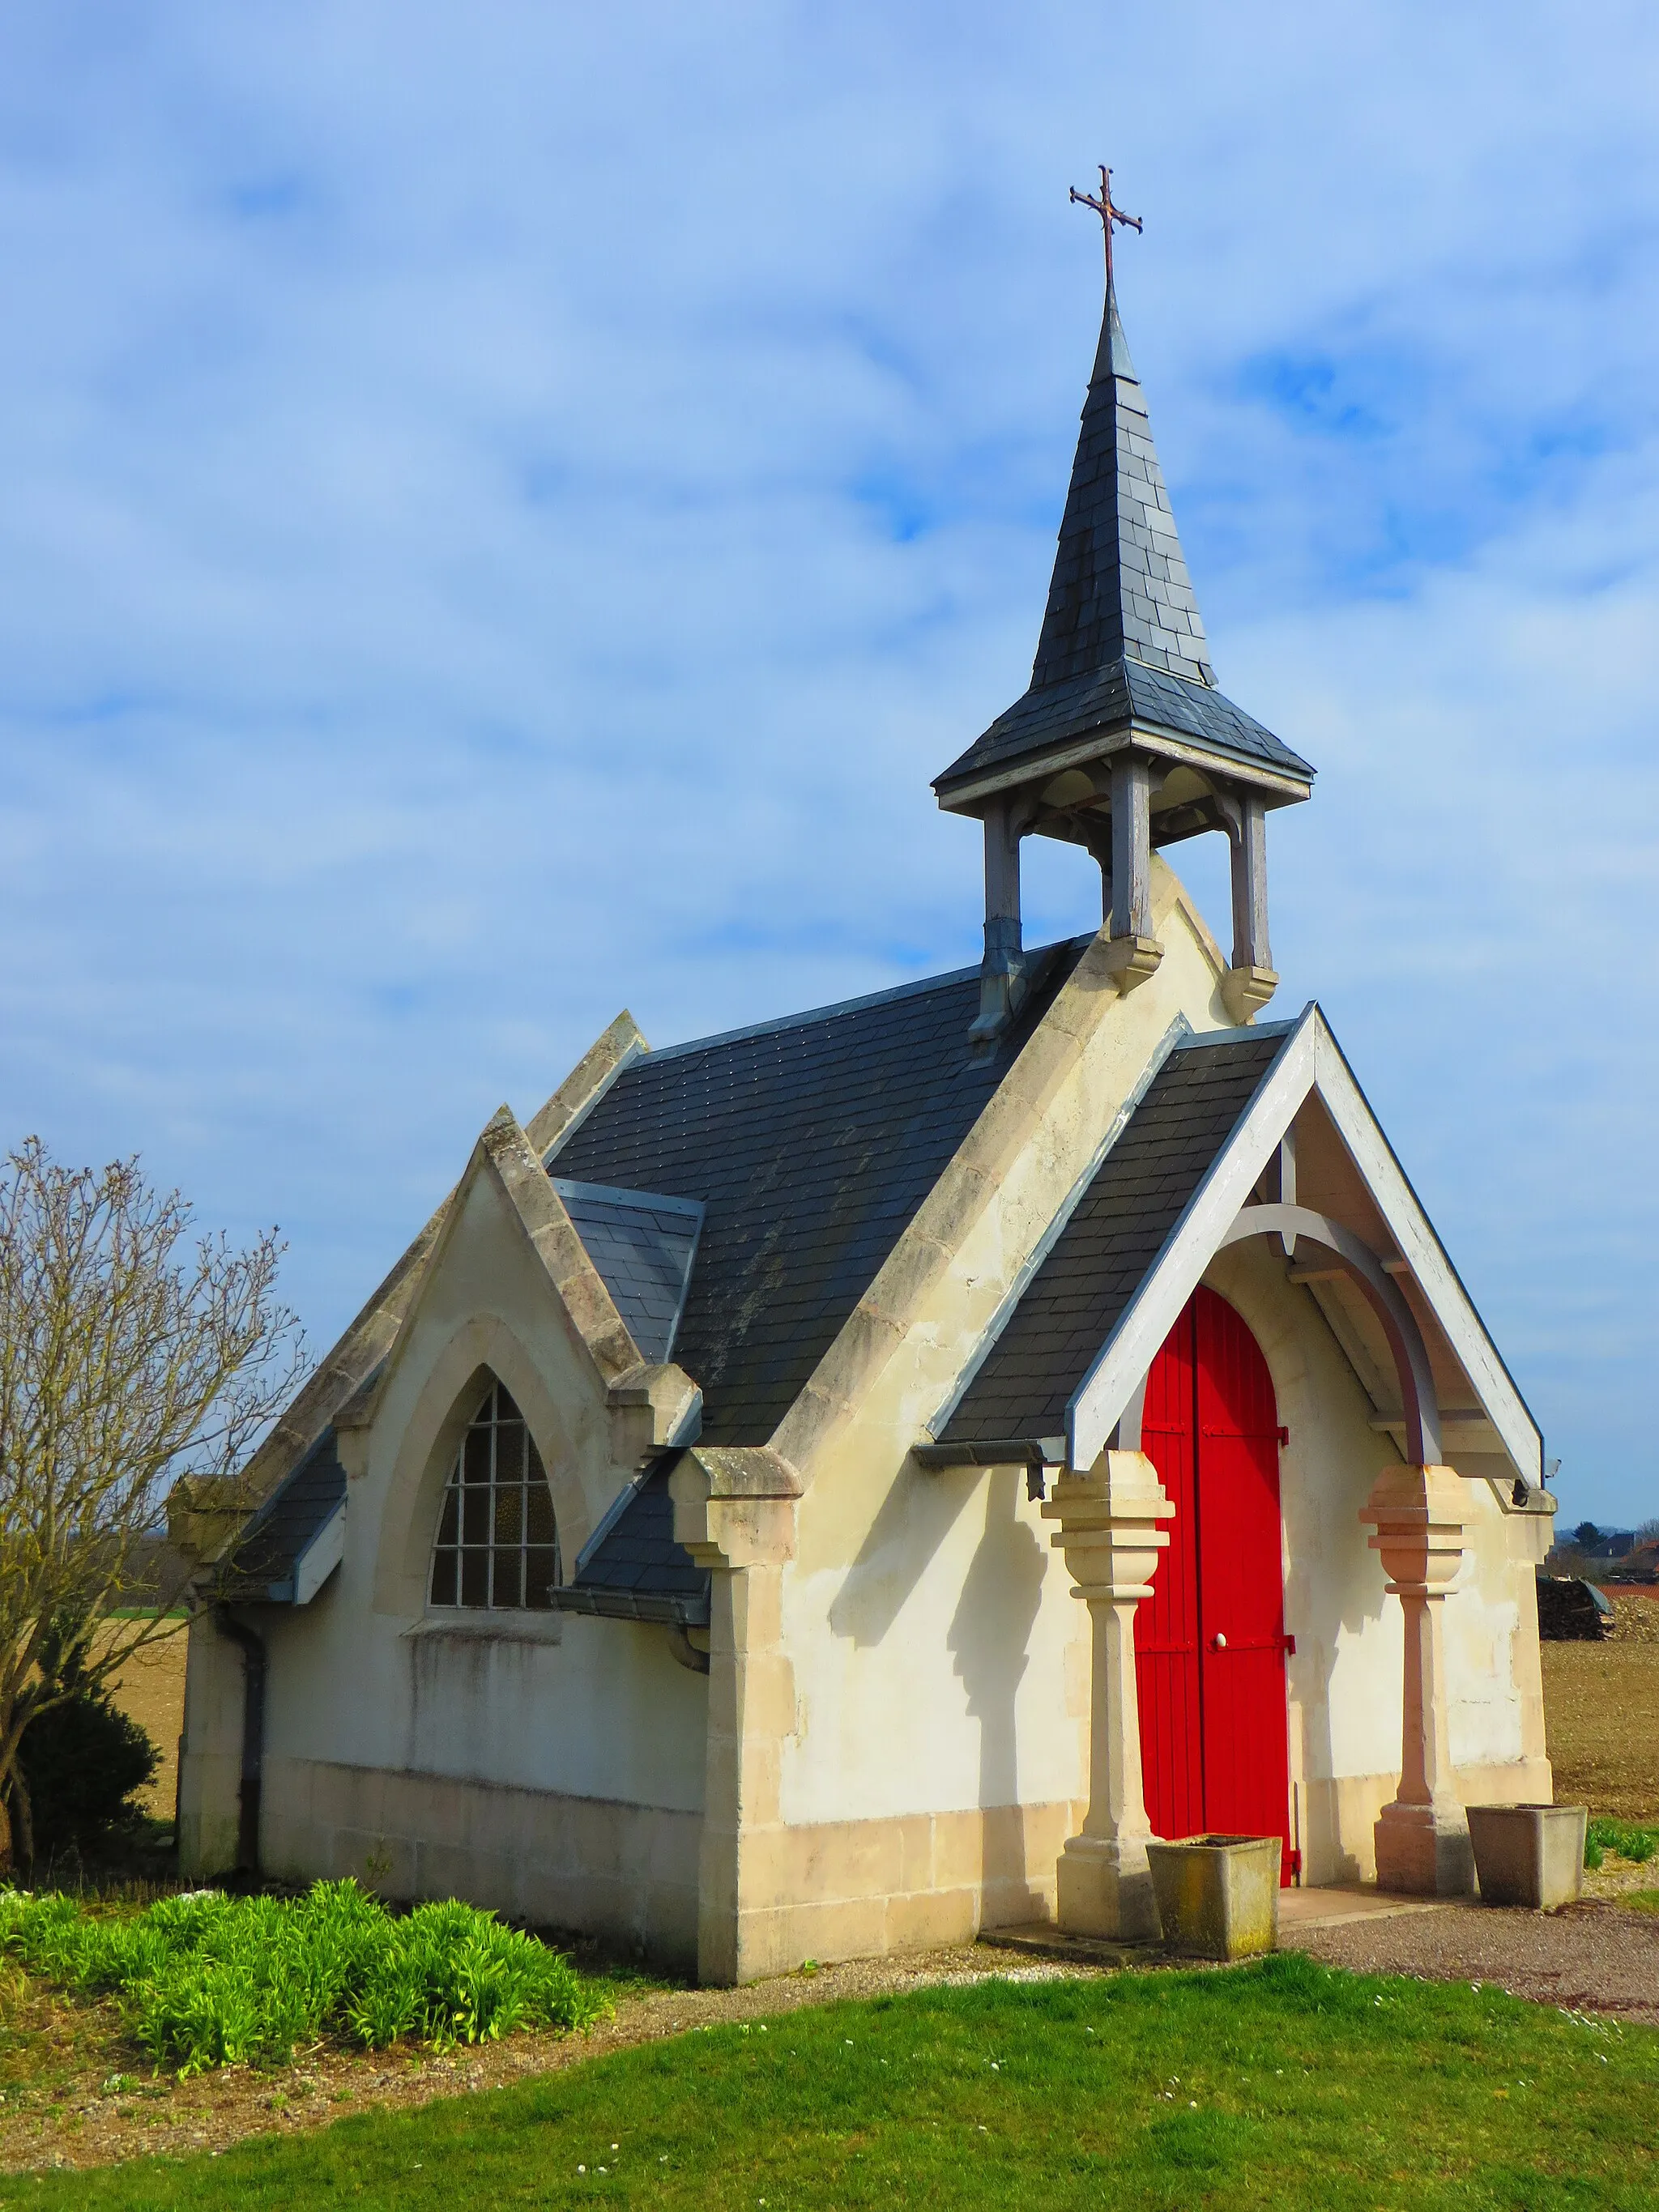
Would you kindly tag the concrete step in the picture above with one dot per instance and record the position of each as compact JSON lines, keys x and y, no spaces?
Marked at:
{"x":1300,"y":1910}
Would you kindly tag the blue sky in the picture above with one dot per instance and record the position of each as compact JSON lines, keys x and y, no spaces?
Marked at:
{"x":507,"y":508}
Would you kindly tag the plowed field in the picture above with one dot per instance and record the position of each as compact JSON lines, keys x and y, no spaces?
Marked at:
{"x":1602,"y":1715}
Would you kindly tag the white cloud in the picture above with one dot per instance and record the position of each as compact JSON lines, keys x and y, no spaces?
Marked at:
{"x":506,"y":509}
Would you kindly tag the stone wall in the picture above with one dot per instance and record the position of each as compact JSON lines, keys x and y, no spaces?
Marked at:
{"x":626,"y":1873}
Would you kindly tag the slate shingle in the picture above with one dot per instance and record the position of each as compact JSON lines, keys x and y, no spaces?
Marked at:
{"x":637,"y":1569}
{"x":1111,"y":697}
{"x":1109,"y":1247}
{"x":809,"y":1143}
{"x":643,"y":1245}
{"x":264,"y":1563}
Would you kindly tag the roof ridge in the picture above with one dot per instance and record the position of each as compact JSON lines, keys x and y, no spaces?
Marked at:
{"x":838,"y":1008}
{"x":1242,"y":1032}
{"x":615,"y":1194}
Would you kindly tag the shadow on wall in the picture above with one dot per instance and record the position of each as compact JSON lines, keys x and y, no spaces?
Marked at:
{"x":991,"y":1630}
{"x":916,"y":1515}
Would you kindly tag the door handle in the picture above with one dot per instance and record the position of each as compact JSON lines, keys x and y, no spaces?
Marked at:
{"x":1217,"y":1641}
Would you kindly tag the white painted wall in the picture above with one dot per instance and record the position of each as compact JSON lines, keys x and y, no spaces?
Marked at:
{"x":369,"y":1675}
{"x":941,"y":1663}
{"x":931,"y":1669}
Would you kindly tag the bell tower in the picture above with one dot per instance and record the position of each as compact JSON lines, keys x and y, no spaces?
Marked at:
{"x":1122,"y":741}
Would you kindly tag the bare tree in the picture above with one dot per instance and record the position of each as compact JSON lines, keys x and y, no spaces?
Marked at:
{"x":131,"y":1352}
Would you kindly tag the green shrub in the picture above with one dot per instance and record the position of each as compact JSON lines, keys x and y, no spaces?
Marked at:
{"x":209,"y":1980}
{"x":1636,"y":1845}
{"x":80,"y":1761}
{"x":83,"y":1762}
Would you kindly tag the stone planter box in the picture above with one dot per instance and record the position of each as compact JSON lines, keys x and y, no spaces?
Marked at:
{"x":1528,"y":1854}
{"x":1218,"y":1896}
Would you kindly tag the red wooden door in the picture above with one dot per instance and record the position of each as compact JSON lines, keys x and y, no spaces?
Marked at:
{"x":1210,"y":1641}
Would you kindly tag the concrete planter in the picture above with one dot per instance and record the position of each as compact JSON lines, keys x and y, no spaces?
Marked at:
{"x":1528,"y":1854}
{"x":1218,"y":1896}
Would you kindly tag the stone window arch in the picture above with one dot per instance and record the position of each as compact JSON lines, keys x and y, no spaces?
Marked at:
{"x":497,"y":1544}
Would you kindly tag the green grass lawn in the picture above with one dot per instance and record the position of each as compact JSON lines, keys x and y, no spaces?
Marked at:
{"x":1281,"y":2085}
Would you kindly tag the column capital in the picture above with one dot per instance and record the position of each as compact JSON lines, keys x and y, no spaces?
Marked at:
{"x":1108,"y":1527}
{"x":1417,"y":1514}
{"x":734,"y":1507}
{"x":1109,"y":1534}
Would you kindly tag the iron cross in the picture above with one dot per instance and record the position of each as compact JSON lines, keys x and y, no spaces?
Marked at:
{"x":1108,"y":212}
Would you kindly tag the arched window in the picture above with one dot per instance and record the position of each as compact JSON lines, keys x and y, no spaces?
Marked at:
{"x":496,"y":1543}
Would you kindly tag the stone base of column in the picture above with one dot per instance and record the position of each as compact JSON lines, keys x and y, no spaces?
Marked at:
{"x":1105,"y":1888}
{"x":1424,"y":1851}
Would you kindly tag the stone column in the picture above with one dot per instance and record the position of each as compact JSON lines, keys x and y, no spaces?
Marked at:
{"x":1132,"y":953}
{"x":1251,"y":980}
{"x":1002,"y":973}
{"x":1109,"y":1534}
{"x":734,"y":1510}
{"x":1423,"y":1837}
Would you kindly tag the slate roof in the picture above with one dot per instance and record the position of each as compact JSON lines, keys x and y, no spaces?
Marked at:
{"x":643,"y":1245}
{"x":1116,"y":1231}
{"x":800,"y":1150}
{"x":1122,"y":638}
{"x":633,"y":1567}
{"x":262,"y":1565}
{"x":810,"y":1143}
{"x":1110,"y":698}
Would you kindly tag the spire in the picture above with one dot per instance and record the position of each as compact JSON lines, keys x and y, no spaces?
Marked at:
{"x":1122,"y":646}
{"x":1122,"y":741}
{"x":1119,"y":583}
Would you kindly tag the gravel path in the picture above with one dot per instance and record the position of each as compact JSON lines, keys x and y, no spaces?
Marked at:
{"x":1595,"y":1956}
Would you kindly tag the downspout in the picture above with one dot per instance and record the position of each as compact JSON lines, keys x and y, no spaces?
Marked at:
{"x":252,"y":1649}
{"x":694,"y":1656}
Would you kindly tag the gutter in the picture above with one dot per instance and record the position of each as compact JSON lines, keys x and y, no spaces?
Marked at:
{"x":632,"y":1605}
{"x":1000,"y":1451}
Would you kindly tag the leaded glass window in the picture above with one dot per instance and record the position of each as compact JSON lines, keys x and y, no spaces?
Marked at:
{"x":497,"y":1546}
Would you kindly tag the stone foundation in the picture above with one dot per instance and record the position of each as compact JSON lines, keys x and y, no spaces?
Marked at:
{"x":854,"y":1889}
{"x":1339,"y":1817}
{"x":827,"y":1891}
{"x":625,"y":1873}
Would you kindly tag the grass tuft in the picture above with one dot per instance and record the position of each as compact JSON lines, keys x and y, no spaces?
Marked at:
{"x":206,"y":1980}
{"x":1638,"y":1845}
